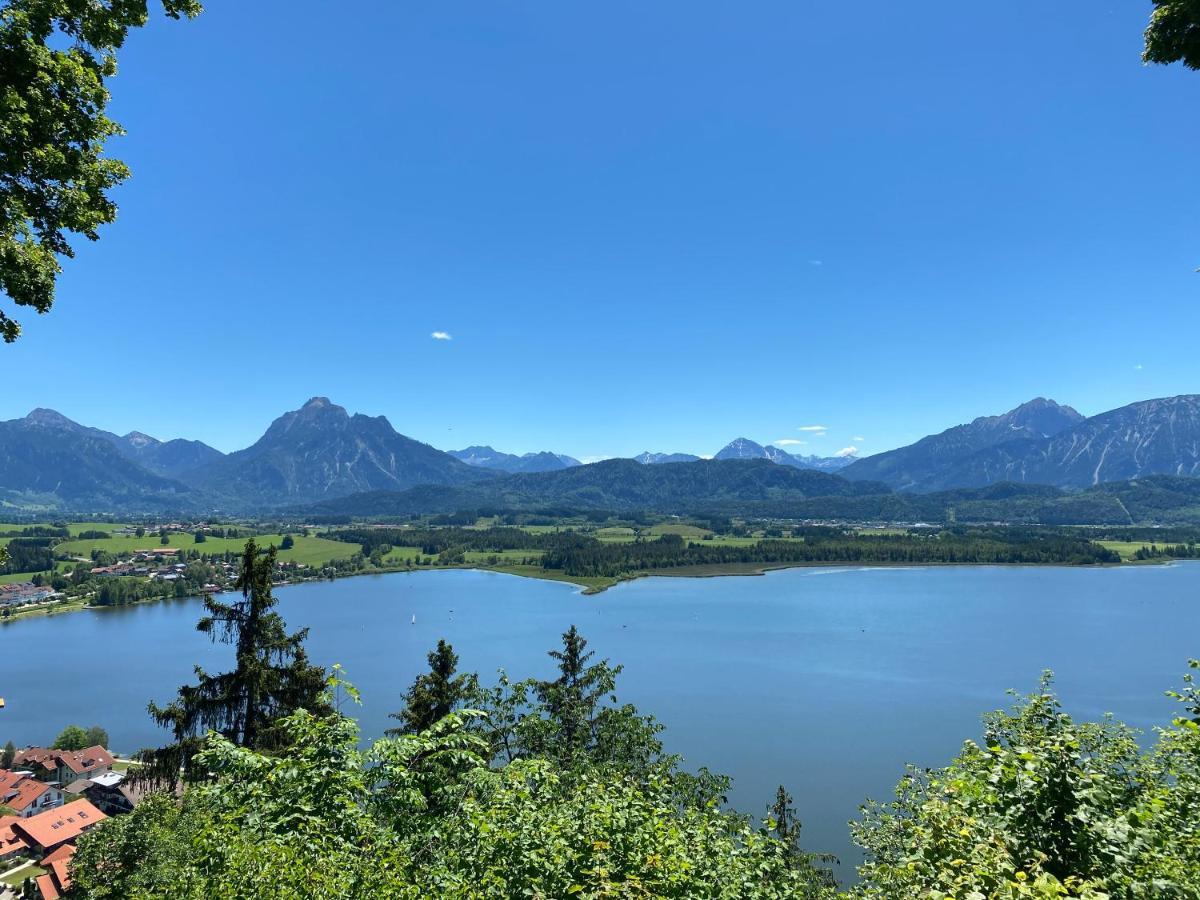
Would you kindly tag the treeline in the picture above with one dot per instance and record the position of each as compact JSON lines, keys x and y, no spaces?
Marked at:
{"x":26,"y":554}
{"x":983,"y":546}
{"x":1167,"y":551}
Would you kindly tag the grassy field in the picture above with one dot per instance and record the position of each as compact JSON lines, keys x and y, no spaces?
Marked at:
{"x":16,"y":577}
{"x":310,"y":551}
{"x":18,"y":877}
{"x":1125,"y":549}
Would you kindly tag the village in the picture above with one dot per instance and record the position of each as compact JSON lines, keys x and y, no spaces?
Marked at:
{"x":48,"y":799}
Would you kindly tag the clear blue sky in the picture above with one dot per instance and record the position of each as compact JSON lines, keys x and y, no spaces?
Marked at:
{"x":645,"y":225}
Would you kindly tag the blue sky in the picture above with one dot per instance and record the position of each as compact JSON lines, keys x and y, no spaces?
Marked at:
{"x":643,"y":225}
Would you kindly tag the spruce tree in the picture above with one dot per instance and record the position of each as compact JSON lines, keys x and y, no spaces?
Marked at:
{"x":573,"y":699}
{"x":433,"y":695}
{"x":7,"y":755}
{"x":271,"y":678}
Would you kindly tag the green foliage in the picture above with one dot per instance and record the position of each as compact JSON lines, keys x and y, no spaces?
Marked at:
{"x":433,"y":695}
{"x":328,"y":820}
{"x":96,"y":737}
{"x":71,"y":738}
{"x":7,"y":754}
{"x":55,"y":57}
{"x":287,"y":543}
{"x":1045,"y":807}
{"x":1174,"y":33}
{"x":573,"y":721}
{"x":271,"y":678}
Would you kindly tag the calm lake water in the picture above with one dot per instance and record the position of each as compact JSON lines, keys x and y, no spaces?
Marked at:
{"x":827,"y":680}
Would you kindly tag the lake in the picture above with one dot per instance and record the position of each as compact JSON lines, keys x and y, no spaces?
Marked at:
{"x":827,"y":680}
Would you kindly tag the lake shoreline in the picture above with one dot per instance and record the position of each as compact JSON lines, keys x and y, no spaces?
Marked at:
{"x":591,"y":586}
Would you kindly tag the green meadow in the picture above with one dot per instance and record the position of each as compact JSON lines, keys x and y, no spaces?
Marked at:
{"x":310,"y":551}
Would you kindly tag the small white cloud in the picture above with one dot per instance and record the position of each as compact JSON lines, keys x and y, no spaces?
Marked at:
{"x":816,"y":262}
{"x":441,"y":336}
{"x":588,"y":460}
{"x":787,"y":442}
{"x":813,"y":428}
{"x":859,"y":439}
{"x":847,"y":451}
{"x":1138,"y":367}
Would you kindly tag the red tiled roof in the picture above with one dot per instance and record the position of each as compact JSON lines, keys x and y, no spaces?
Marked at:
{"x":10,"y":841}
{"x":78,"y":761}
{"x":21,"y":793}
{"x":60,"y":854}
{"x":59,"y":864}
{"x":87,"y":760}
{"x":59,"y":826}
{"x":46,"y":887}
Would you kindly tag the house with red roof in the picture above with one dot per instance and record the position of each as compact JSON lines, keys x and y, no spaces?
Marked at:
{"x":57,"y":880}
{"x":11,"y":843}
{"x":64,"y":766}
{"x":25,"y":795}
{"x":47,"y":831}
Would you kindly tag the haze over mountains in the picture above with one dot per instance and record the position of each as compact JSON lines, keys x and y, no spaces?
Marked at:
{"x":319,"y":455}
{"x":489,"y":458}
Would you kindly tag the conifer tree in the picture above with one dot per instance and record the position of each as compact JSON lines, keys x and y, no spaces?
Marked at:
{"x":271,"y":678}
{"x":434,"y":694}
{"x":573,"y":699}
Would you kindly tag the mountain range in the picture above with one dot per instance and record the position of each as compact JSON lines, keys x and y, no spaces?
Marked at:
{"x":1041,"y":442}
{"x":318,"y":455}
{"x":489,"y":458}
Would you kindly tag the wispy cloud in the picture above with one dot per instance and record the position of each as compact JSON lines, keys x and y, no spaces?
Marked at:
{"x":813,"y":428}
{"x":788,"y":442}
{"x":588,"y":460}
{"x":441,"y":336}
{"x":859,"y":439}
{"x":847,"y":451}
{"x":816,"y":262}
{"x":1138,"y":367}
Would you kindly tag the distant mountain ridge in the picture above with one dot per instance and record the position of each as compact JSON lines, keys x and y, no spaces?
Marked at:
{"x":49,"y":462}
{"x":1042,"y":442}
{"x":486,"y":457}
{"x":321,"y":451}
{"x":657,"y":459}
{"x":744,"y":448}
{"x":166,"y":458}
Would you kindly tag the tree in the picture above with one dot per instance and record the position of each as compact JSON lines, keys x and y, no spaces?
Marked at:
{"x":571,"y":699}
{"x":326,"y":819}
{"x":164,"y":540}
{"x":55,"y":58}
{"x":1174,"y":33}
{"x":287,"y":543}
{"x":7,"y":755}
{"x":433,"y":695}
{"x":140,"y":531}
{"x":97,"y":737}
{"x":71,"y":738}
{"x":271,"y":678}
{"x":1046,"y":807}
{"x":784,"y":824}
{"x":200,"y":537}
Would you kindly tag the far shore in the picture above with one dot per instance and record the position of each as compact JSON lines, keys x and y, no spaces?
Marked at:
{"x":588,"y":585}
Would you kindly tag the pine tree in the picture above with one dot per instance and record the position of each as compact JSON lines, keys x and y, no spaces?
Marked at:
{"x":433,"y":695}
{"x":787,"y":829}
{"x":271,"y":678}
{"x":7,"y":756}
{"x":572,"y":700}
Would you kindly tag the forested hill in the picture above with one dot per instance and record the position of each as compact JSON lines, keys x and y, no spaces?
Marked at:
{"x":615,"y":484}
{"x":760,"y":488}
